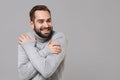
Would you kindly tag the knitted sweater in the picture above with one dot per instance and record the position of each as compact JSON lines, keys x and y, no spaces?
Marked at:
{"x":35,"y":60}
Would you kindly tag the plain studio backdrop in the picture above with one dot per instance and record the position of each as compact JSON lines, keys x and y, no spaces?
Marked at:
{"x":92,"y":28}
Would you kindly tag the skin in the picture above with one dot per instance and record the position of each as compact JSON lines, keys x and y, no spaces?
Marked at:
{"x":41,"y":23}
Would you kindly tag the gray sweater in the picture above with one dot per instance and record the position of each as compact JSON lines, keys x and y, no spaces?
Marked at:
{"x":35,"y":60}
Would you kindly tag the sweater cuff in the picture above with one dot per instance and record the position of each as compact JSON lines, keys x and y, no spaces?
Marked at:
{"x":47,"y":50}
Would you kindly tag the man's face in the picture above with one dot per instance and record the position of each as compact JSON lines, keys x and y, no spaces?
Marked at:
{"x":42,"y":23}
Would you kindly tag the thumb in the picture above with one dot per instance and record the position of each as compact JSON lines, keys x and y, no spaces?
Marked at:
{"x":49,"y":42}
{"x":33,"y":38}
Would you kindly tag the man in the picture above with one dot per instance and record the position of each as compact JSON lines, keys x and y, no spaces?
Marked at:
{"x":41,"y":53}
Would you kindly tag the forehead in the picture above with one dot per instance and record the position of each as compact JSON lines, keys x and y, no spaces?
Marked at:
{"x":42,"y":14}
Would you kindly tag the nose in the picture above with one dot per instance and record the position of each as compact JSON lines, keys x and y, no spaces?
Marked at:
{"x":45,"y":24}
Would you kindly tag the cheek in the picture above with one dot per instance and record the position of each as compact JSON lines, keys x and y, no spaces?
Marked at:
{"x":50,"y":24}
{"x":38,"y":26}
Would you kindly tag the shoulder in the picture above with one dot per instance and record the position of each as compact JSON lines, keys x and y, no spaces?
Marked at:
{"x":58,"y":35}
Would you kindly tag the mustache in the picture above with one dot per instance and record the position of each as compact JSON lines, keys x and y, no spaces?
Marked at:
{"x":48,"y":28}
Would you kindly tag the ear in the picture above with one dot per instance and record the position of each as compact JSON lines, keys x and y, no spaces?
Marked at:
{"x":32,"y":24}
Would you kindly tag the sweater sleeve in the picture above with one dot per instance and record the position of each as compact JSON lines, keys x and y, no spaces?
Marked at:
{"x":25,"y":68}
{"x":46,"y":66}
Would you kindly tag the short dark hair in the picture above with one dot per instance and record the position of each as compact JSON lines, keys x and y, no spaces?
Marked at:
{"x":37,"y":7}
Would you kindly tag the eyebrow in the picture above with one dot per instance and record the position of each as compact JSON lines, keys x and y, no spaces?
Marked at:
{"x":40,"y":20}
{"x":48,"y":18}
{"x":43,"y":19}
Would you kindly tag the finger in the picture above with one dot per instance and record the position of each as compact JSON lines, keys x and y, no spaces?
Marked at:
{"x":49,"y":42}
{"x":33,"y":38}
{"x":26,"y":36}
{"x":57,"y":50}
{"x":19,"y":42}
{"x":23,"y":36}
{"x":56,"y":47}
{"x":20,"y":39}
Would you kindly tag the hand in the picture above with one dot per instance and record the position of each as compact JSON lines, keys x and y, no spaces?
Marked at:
{"x":24,"y":38}
{"x":54,"y":47}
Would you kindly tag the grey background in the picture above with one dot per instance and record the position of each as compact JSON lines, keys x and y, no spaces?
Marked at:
{"x":92,"y":28}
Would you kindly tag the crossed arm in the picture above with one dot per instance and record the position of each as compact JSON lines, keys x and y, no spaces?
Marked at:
{"x":54,"y":47}
{"x":25,"y":68}
{"x":30,"y":62}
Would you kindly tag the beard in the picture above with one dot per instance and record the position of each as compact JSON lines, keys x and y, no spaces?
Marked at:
{"x":40,"y":34}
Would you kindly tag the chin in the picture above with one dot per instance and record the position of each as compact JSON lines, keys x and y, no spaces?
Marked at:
{"x":45,"y":35}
